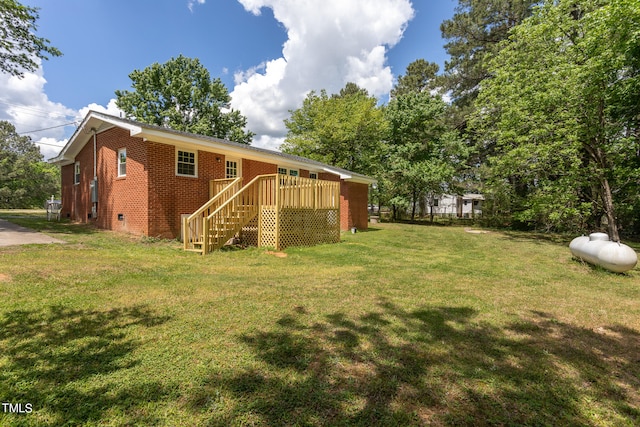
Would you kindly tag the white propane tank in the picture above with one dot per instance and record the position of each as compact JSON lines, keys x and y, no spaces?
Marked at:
{"x":597,"y":249}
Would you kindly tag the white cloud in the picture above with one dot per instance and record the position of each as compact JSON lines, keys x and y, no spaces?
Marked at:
{"x":330,"y":43}
{"x":191,"y":3}
{"x":24,"y":103}
{"x":111,"y":109}
{"x":268,"y":142}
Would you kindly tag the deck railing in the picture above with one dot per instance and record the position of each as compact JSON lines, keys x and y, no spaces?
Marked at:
{"x":229,"y":218}
{"x":306,"y":193}
{"x":217,"y":185}
{"x":233,"y":207}
{"x":192,"y":227}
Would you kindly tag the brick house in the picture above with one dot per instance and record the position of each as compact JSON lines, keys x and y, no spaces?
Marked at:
{"x":129,"y":176}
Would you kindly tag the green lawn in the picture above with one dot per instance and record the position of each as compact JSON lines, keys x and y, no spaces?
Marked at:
{"x":402,"y":325}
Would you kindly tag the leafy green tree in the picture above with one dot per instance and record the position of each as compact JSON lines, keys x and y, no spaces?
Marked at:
{"x":180,"y":94}
{"x":423,"y":155}
{"x":344,"y":130}
{"x":561,"y":114}
{"x":19,"y":46}
{"x":419,"y":77}
{"x":26,"y":181}
{"x":475,"y":31}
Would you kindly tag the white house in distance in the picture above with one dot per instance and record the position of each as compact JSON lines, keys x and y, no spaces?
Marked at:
{"x":452,"y":205}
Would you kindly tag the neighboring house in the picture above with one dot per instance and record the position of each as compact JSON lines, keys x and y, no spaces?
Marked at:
{"x":464,"y":206}
{"x":129,"y":176}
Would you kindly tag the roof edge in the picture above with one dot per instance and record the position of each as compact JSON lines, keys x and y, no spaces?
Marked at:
{"x":97,"y":121}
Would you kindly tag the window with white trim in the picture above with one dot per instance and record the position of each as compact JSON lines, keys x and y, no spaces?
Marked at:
{"x":122,"y":162}
{"x":186,"y":162}
{"x":313,"y":175}
{"x":231,"y":169}
{"x":76,"y":173}
{"x":287,"y":171}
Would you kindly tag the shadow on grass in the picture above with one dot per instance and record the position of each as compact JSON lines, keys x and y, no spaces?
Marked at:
{"x":431,"y":366}
{"x":52,"y":356}
{"x":538,"y":237}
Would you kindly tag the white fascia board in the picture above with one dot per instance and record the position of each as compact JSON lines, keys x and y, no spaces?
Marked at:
{"x":357,"y":178}
{"x":83,"y":134}
{"x":341,"y":175}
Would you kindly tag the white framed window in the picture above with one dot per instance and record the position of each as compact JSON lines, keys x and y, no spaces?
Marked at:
{"x":186,"y":163}
{"x":122,"y":162}
{"x":76,"y":173}
{"x":232,"y":168}
{"x":286,"y":171}
{"x":313,"y":175}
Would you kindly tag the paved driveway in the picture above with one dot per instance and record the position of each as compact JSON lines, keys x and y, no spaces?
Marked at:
{"x":11,"y":234}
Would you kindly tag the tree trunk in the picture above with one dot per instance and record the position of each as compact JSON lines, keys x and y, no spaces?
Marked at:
{"x":414,"y":196}
{"x":607,"y":200}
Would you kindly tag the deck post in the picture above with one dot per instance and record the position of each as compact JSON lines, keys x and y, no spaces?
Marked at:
{"x":260,"y":202}
{"x":185,"y":233}
{"x":277,"y":220}
{"x":205,"y":235}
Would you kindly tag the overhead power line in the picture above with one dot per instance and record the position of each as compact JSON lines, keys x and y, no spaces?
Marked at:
{"x":52,"y":127}
{"x":51,"y":145}
{"x":34,"y":111}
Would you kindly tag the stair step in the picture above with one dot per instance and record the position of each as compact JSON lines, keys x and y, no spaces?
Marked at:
{"x":194,"y":250}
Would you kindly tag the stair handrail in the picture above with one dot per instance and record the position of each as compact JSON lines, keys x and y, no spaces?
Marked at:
{"x":236,"y":195}
{"x":192,"y":232}
{"x":227,"y":208}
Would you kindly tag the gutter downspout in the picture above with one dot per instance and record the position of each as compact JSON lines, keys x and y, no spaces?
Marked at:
{"x":94,"y":191}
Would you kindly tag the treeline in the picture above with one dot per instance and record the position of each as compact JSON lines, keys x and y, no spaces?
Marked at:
{"x":26,"y":180}
{"x":543,"y":118}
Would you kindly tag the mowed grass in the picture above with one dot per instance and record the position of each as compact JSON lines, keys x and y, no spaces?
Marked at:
{"x":402,"y":325}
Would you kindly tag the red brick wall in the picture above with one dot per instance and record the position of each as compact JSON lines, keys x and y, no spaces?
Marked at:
{"x":253,"y":168}
{"x":126,"y":195}
{"x":353,"y":205}
{"x":151,"y":198}
{"x":76,"y":198}
{"x":328,"y":176}
{"x":170,"y":196}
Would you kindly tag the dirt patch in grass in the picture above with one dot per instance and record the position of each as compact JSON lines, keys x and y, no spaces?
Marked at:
{"x":474,"y":231}
{"x":5,"y":278}
{"x":277,"y":254}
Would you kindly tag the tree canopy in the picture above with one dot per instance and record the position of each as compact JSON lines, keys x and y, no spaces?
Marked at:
{"x":420,"y":76}
{"x":19,"y":46}
{"x":344,"y":130}
{"x":26,"y":181}
{"x":181,"y":94}
{"x":423,"y":154}
{"x":561,"y":112}
{"x":475,"y":31}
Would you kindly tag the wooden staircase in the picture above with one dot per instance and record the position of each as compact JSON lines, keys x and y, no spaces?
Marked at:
{"x":210,"y":227}
{"x":288,"y":211}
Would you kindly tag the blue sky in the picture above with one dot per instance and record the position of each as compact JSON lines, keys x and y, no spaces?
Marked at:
{"x":269,"y":54}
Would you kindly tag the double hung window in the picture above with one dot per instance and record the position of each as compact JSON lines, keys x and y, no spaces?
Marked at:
{"x":186,"y":162}
{"x":122,"y":162}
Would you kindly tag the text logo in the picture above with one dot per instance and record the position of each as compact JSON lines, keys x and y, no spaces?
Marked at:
{"x":17,"y":408}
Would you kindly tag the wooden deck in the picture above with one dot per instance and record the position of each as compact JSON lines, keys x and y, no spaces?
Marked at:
{"x":272,"y":210}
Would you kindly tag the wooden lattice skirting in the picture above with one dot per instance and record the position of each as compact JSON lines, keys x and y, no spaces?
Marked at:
{"x":292,"y":227}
